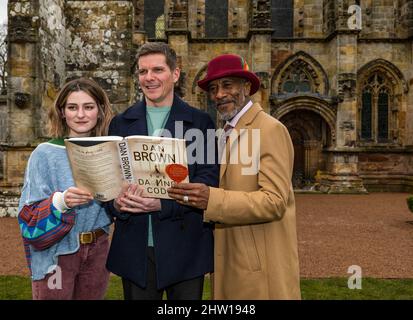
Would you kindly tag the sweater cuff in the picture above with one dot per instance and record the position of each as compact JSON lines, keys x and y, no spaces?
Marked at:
{"x":59,"y":201}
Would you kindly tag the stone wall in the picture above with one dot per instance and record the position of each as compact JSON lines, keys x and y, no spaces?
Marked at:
{"x":23,"y":77}
{"x":51,"y":51}
{"x":9,"y":202}
{"x":99,"y":45}
{"x":312,"y":20}
{"x":386,"y":171}
{"x":52,"y":41}
{"x":381,"y":19}
{"x":3,"y":118}
{"x":3,"y":131}
{"x":237,"y":18}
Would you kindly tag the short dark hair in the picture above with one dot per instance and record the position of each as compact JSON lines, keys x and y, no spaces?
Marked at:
{"x":158,"y":47}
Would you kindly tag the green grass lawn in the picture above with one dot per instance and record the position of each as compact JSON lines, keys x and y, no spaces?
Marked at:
{"x":19,"y":288}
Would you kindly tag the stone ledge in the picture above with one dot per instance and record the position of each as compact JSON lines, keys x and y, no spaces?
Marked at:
{"x":9,"y":202}
{"x":8,"y":212}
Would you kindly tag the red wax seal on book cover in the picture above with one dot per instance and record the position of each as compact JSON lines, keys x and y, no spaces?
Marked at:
{"x":176,"y":172}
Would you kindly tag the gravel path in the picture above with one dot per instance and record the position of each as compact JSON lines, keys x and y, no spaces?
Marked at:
{"x":372,"y":231}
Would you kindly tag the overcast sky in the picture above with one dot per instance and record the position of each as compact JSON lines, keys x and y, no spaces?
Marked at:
{"x":3,"y":11}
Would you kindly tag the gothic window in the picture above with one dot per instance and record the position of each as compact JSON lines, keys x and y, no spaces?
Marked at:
{"x":366,"y":114}
{"x":154,"y":19}
{"x":375,"y":106}
{"x":297,"y":79}
{"x":297,"y":82}
{"x":216,"y":18}
{"x":160,"y":27}
{"x":282,"y":12}
{"x":383,"y":115}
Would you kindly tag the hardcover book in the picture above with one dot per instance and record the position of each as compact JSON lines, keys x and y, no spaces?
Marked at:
{"x":102,"y":165}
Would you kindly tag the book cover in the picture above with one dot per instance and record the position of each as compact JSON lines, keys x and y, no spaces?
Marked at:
{"x":102,"y":164}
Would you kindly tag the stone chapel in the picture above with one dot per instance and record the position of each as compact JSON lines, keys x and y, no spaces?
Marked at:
{"x":338,"y":74}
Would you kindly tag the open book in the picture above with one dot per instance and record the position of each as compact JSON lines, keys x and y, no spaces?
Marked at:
{"x":102,"y":164}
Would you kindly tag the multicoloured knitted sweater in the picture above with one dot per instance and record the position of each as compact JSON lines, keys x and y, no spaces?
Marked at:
{"x":46,"y":231}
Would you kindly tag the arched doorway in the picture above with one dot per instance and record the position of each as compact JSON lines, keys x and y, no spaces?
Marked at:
{"x":310,"y":135}
{"x":299,"y":156}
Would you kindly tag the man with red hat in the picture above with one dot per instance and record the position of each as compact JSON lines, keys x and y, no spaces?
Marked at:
{"x":256,"y":255}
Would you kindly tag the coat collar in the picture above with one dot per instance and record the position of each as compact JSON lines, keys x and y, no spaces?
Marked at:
{"x":179,"y":111}
{"x":243,"y":123}
{"x":249,"y":116}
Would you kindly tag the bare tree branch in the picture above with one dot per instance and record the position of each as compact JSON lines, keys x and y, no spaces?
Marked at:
{"x":3,"y":58}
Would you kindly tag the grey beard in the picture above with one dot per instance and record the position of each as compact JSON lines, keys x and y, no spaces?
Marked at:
{"x":230,"y":115}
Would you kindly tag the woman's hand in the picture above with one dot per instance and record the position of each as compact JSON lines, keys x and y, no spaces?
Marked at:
{"x":74,"y":197}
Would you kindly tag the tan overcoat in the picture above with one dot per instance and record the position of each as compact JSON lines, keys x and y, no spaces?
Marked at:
{"x":256,"y":254}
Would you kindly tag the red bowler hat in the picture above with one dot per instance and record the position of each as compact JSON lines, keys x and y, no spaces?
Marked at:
{"x":229,"y":65}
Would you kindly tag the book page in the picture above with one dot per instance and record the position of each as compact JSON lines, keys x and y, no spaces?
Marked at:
{"x":96,"y":168}
{"x":151,"y":160}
